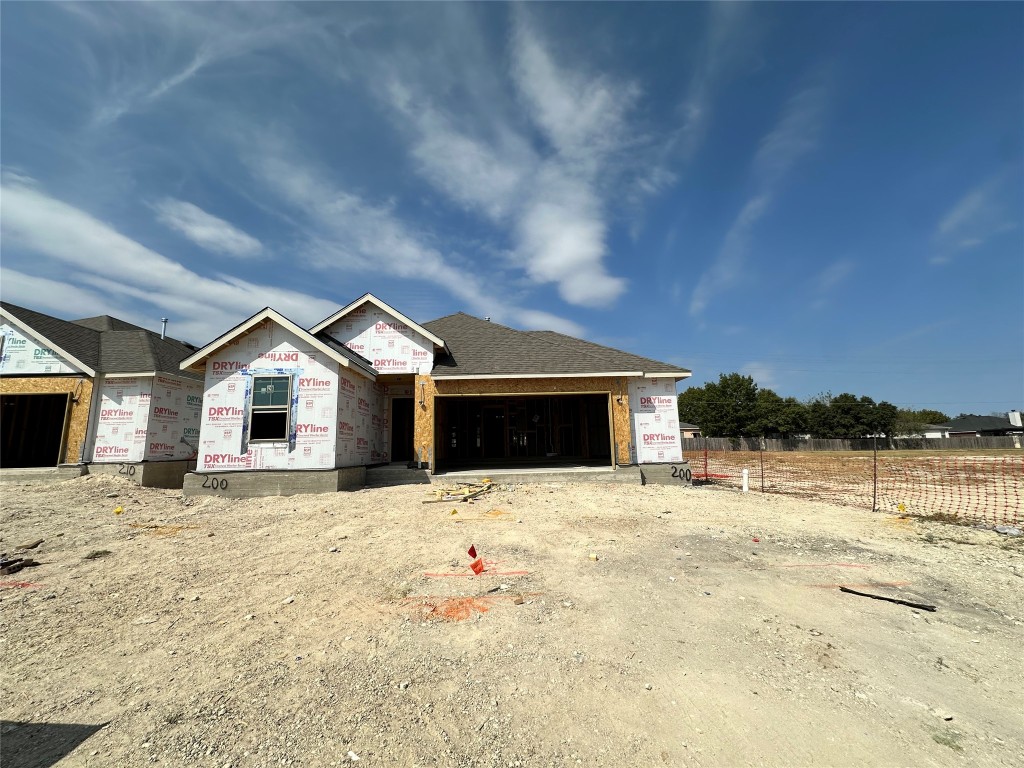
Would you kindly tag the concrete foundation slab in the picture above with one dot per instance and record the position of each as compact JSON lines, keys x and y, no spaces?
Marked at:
{"x":629,"y":475}
{"x":254,"y":484}
{"x":395,"y":474}
{"x":29,"y":475}
{"x":677,"y":473}
{"x":149,"y":474}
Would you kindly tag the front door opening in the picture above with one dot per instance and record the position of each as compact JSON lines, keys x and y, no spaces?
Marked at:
{"x":542,"y":430}
{"x":401,"y":429}
{"x":32,"y":429}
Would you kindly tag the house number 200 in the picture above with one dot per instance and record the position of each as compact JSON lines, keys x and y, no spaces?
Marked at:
{"x":216,"y":483}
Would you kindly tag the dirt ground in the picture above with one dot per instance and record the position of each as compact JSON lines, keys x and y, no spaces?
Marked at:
{"x":344,"y":628}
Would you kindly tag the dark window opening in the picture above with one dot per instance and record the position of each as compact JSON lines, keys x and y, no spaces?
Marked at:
{"x":271,"y":397}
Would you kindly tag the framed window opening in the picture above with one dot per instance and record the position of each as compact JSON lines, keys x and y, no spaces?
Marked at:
{"x":270,"y":414}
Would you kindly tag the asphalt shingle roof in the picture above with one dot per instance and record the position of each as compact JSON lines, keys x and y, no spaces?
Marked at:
{"x":107,"y":344}
{"x":971,"y":423}
{"x":478,"y":347}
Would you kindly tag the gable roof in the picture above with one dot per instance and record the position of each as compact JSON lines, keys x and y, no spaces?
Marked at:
{"x":102,"y":344}
{"x":478,"y":348}
{"x":972,"y":423}
{"x":333,"y":349}
{"x":371,"y":299}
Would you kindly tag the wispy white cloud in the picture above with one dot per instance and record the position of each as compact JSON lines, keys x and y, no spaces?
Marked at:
{"x":43,"y":294}
{"x":549,"y":196}
{"x":103,"y":257}
{"x":763,"y":374}
{"x":834,"y":275}
{"x":345,"y":231}
{"x":794,"y":136}
{"x":978,"y":216}
{"x":205,"y":229}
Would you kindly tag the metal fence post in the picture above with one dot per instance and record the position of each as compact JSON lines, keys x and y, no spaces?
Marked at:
{"x":762,"y":464}
{"x":874,"y":474}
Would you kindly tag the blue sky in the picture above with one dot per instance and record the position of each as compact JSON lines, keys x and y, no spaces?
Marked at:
{"x":823,"y":196}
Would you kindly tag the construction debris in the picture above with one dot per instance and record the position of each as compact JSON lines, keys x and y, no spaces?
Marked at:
{"x":15,"y":564}
{"x":919,"y":606}
{"x":461,"y":493}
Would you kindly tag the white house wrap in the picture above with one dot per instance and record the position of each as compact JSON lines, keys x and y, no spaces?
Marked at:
{"x":326,"y":414}
{"x":652,"y":403}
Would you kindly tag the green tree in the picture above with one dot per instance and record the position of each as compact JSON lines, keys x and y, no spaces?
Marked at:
{"x":727,"y":408}
{"x":911,"y":422}
{"x":778,"y":416}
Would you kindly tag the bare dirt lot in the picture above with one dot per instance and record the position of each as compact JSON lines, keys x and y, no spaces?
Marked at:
{"x":314,"y":630}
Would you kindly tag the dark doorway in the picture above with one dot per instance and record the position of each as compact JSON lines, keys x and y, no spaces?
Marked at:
{"x":538,"y":430}
{"x":32,"y":429}
{"x":401,"y":429}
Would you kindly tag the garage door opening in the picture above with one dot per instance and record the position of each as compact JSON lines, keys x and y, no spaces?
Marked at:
{"x":32,"y":429}
{"x":543,"y":430}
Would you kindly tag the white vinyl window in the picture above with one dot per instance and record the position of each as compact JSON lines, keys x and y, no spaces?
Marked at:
{"x":271,"y":408}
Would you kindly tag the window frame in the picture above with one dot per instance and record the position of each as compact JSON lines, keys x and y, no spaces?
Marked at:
{"x":286,"y":408}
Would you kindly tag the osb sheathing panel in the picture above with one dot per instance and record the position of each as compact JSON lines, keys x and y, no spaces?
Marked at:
{"x":78,"y":386}
{"x":427,"y":388}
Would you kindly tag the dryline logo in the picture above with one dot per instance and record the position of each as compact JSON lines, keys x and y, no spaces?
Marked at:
{"x":116,"y":413}
{"x":224,"y":413}
{"x":387,"y":362}
{"x":656,"y":402}
{"x":164,"y":413}
{"x":347,"y":387}
{"x":314,"y":383}
{"x":110,"y":451}
{"x":161,"y":447}
{"x":279,"y":357}
{"x":15,"y":343}
{"x":345,"y":429}
{"x":44,"y":353}
{"x":363,"y":405}
{"x":228,"y":365}
{"x":390,"y":327}
{"x":653,"y":438}
{"x":311,"y":429}
{"x":227,"y":460}
{"x":194,"y":401}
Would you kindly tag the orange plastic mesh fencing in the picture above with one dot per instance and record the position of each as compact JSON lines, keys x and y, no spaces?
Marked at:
{"x":978,"y":489}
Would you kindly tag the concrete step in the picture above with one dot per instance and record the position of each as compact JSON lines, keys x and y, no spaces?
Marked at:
{"x":395,"y":474}
{"x":630,"y":475}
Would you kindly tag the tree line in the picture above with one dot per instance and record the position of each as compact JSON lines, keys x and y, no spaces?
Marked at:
{"x":735,"y":406}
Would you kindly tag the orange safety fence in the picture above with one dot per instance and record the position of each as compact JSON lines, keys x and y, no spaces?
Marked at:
{"x":978,"y":489}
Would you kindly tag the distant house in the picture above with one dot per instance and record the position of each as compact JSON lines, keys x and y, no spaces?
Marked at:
{"x":96,"y":391}
{"x":688,"y":430}
{"x":985,"y":426}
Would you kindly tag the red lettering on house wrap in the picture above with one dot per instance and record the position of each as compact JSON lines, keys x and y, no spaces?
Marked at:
{"x":223,"y":411}
{"x":227,"y":365}
{"x":279,"y":357}
{"x":110,"y":450}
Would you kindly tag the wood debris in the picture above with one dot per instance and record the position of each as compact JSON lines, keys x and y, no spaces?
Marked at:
{"x":461,"y":493}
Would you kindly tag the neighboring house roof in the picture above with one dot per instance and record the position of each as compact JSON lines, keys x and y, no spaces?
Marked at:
{"x":370,"y":298}
{"x":333,"y":349}
{"x":478,"y":348}
{"x":688,"y":427}
{"x":971,"y":423}
{"x":102,"y":344}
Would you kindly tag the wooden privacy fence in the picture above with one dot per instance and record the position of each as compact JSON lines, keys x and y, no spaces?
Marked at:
{"x":978,"y":489}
